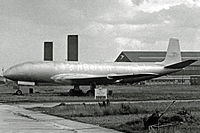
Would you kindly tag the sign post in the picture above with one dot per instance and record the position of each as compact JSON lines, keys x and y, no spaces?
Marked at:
{"x":101,"y":93}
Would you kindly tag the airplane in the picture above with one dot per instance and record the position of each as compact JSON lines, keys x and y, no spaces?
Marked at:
{"x":77,"y":74}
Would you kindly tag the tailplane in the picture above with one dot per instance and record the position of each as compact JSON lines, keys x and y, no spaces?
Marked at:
{"x":180,"y":65}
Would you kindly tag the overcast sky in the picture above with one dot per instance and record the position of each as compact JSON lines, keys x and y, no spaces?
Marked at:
{"x":105,"y":27}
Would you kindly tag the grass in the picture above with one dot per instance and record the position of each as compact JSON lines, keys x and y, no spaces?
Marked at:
{"x":94,"y":110}
{"x":117,"y":116}
{"x":38,"y":98}
{"x":91,"y":110}
{"x":123,"y":117}
{"x":120,"y":93}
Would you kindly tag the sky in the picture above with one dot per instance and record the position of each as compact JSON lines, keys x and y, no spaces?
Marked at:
{"x":105,"y":27}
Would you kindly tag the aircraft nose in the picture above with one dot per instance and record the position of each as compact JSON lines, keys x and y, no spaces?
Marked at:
{"x":10,"y":73}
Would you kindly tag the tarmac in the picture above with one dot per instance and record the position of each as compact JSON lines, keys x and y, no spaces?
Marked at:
{"x":16,"y":119}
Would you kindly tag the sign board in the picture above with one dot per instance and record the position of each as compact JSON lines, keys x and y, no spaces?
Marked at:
{"x":100,"y":93}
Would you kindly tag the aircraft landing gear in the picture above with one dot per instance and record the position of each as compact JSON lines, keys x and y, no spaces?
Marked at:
{"x":18,"y":91}
{"x":76,"y":91}
{"x":92,"y":90}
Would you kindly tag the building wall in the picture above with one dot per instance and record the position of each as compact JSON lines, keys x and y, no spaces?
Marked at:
{"x":182,"y":79}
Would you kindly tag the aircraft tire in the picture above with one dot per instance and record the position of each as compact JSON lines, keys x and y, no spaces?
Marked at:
{"x":18,"y":92}
{"x":73,"y":92}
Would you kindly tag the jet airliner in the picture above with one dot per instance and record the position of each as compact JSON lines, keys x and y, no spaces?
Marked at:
{"x":76,"y":73}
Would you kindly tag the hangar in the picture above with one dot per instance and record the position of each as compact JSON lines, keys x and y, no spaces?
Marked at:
{"x":190,"y":75}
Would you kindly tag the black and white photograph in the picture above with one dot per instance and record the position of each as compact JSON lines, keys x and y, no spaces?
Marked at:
{"x":99,"y":66}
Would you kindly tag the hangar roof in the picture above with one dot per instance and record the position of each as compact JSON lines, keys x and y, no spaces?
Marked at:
{"x":153,"y":56}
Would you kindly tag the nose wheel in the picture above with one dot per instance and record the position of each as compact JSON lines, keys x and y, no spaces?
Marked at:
{"x":18,"y":92}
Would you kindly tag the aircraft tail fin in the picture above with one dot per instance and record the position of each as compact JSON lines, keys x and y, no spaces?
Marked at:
{"x":173,"y":52}
{"x":180,"y":65}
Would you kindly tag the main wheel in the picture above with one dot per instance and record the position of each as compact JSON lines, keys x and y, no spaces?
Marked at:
{"x":90,"y":93}
{"x":74,"y":92}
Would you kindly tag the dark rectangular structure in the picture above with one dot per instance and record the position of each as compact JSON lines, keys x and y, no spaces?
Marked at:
{"x":48,"y":51}
{"x":72,"y":48}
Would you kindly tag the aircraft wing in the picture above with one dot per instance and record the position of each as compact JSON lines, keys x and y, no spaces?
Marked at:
{"x":73,"y":76}
{"x":123,"y":76}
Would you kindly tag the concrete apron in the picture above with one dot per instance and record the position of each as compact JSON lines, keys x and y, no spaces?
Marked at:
{"x":15,"y":119}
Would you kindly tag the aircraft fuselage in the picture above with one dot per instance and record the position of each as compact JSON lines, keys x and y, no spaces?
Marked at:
{"x":43,"y":72}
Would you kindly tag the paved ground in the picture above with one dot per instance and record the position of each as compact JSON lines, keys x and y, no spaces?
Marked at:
{"x":15,"y":119}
